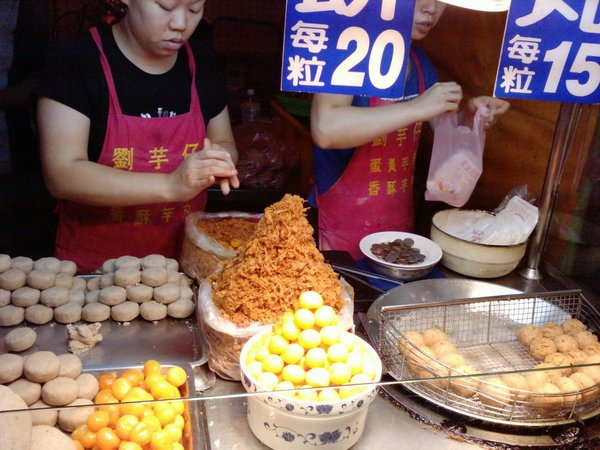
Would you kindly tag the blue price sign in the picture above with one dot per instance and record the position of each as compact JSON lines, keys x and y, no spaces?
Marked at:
{"x":551,"y":51}
{"x":357,"y":47}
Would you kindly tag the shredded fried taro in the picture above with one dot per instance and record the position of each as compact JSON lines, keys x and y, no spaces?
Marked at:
{"x":274,"y":267}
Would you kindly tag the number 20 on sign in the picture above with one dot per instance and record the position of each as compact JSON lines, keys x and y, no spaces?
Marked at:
{"x":551,"y":51}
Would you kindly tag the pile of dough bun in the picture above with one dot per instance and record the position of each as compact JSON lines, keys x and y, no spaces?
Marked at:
{"x":36,"y":382}
{"x":556,"y":384}
{"x":38,"y":291}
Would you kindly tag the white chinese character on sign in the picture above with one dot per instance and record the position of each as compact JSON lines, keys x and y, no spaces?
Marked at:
{"x":517,"y":80}
{"x":543,"y":8}
{"x":310,"y":36}
{"x":305,"y":72}
{"x":388,"y":7}
{"x":523,"y":48}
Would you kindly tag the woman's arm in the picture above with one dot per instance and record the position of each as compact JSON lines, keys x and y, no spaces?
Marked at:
{"x":70,"y":175}
{"x":335,"y":123}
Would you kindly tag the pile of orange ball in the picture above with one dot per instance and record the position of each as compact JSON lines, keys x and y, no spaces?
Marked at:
{"x":127,"y":419}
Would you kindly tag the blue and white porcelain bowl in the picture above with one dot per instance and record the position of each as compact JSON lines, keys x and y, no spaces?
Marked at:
{"x":281,"y":422}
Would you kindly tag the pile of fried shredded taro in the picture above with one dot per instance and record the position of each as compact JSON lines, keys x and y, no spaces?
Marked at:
{"x":273,"y":268}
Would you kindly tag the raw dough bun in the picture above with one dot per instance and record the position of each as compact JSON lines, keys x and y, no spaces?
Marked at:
{"x":495,"y":392}
{"x":527,"y":334}
{"x":95,"y":312}
{"x":87,"y":385}
{"x":108,"y":266}
{"x":60,"y":391}
{"x":39,"y":314}
{"x":4,"y":297}
{"x":71,"y":418}
{"x":20,"y":339}
{"x":79,"y":284}
{"x":465,"y":387}
{"x":566,"y":343}
{"x":125,"y":312}
{"x":181,"y":309}
{"x":153,"y":310}
{"x":93,"y":284}
{"x":140,"y":293}
{"x":43,"y":415}
{"x":4,"y":262}
{"x":573,"y":326}
{"x":54,"y":296}
{"x":92,"y":297}
{"x":541,"y":347}
{"x":69,"y":267}
{"x":11,"y":315}
{"x":29,"y":391}
{"x":586,"y":339}
{"x":107,"y":280}
{"x":551,"y":330}
{"x":586,"y":385}
{"x":444,"y":348}
{"x":41,"y":279}
{"x":173,"y":277}
{"x":25,"y":296}
{"x":546,"y":397}
{"x":167,"y":293}
{"x":154,"y":261}
{"x":12,"y":279}
{"x":112,"y":295}
{"x":23,"y":263}
{"x":68,"y":313}
{"x":184,"y":280}
{"x":127,"y":276}
{"x":64,"y":280}
{"x":432,"y":336}
{"x":15,"y":428}
{"x":172,"y":264}
{"x":70,"y":366}
{"x":44,"y":437}
{"x":77,"y":297}
{"x":518,"y":383}
{"x":453,"y":360}
{"x":49,"y":263}
{"x":187,"y":293}
{"x":154,"y":276}
{"x":560,"y":360}
{"x":127,"y":261}
{"x":11,"y":368}
{"x":570,"y":389}
{"x":41,"y":366}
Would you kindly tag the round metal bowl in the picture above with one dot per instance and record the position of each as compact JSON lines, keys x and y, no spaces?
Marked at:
{"x":471,"y":258}
{"x":401,"y":272}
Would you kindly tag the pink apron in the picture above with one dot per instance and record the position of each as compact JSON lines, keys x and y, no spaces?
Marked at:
{"x":89,"y":235}
{"x":375,"y":192}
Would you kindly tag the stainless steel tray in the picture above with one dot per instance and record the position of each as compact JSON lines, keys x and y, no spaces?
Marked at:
{"x":484,"y":331}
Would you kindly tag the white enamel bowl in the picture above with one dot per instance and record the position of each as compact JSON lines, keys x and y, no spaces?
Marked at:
{"x":402,"y":272}
{"x":282,"y":422}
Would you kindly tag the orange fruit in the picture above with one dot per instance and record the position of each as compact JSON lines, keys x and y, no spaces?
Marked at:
{"x":124,"y":426}
{"x":107,"y":439}
{"x":113,"y":412}
{"x":120,"y":388}
{"x":152,"y":366}
{"x":78,"y":432}
{"x":105,"y":396}
{"x":97,"y":420}
{"x":174,"y":433}
{"x":160,"y":441}
{"x":105,"y":380}
{"x":141,"y":434}
{"x":127,"y":445}
{"x":78,"y":445}
{"x":151,"y":379}
{"x":135,"y":376}
{"x":88,"y":439}
{"x":176,"y":376}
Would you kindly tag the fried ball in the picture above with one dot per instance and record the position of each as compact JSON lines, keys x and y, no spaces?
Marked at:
{"x":573,"y":326}
{"x":560,"y":360}
{"x":570,"y":390}
{"x":413,"y":337}
{"x":551,"y":330}
{"x":541,"y":347}
{"x":546,"y":397}
{"x":443,"y":348}
{"x":517,"y":382}
{"x":496,"y":393}
{"x":466,"y":386}
{"x":432,"y":336}
{"x":527,"y":334}
{"x":587,"y":386}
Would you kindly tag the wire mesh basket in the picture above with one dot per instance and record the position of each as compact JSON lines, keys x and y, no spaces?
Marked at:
{"x":481,"y":374}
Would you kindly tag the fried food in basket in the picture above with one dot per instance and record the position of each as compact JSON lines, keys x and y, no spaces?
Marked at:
{"x":270,"y":271}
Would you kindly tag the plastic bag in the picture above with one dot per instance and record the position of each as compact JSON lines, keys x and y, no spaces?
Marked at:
{"x":225,"y":339}
{"x":456,"y":160}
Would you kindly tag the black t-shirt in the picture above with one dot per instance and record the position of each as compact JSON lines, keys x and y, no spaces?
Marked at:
{"x":73,"y":76}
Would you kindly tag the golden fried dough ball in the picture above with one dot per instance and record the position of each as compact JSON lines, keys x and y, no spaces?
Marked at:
{"x":573,"y":326}
{"x":527,"y":334}
{"x":432,"y":336}
{"x":566,"y":343}
{"x":541,"y":347}
{"x":551,"y":330}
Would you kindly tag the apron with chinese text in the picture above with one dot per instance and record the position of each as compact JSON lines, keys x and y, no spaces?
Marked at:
{"x":89,"y":235}
{"x":375,"y":191}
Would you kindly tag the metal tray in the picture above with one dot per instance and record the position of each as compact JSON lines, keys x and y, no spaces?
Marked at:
{"x":484,"y":331}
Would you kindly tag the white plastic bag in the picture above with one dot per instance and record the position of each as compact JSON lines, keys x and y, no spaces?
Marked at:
{"x":456,"y":160}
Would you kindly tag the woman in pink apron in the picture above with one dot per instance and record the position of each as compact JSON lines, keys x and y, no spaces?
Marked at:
{"x":364,"y":159}
{"x":152,"y":167}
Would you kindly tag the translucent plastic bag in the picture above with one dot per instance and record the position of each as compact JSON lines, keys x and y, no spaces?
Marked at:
{"x":456,"y":160}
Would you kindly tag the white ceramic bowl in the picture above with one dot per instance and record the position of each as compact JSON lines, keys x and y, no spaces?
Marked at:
{"x":471,"y":258}
{"x":282,"y":422}
{"x":404,"y":272}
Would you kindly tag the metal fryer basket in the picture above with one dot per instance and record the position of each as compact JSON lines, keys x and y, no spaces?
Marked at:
{"x":484,"y":332}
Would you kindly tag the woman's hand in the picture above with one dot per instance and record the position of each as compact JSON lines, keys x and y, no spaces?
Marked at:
{"x":492,"y":108}
{"x":439,"y":98}
{"x":201,"y":170}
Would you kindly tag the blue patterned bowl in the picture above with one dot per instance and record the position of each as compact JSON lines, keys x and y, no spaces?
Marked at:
{"x":282,"y":422}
